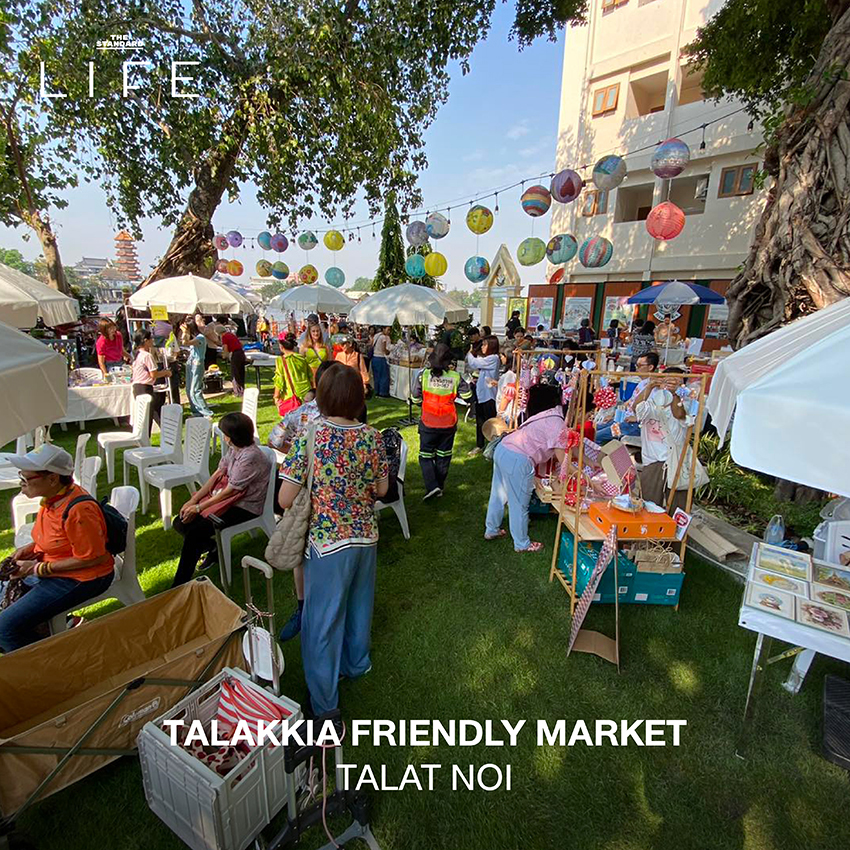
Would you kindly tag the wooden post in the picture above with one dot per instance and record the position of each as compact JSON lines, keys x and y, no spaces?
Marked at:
{"x":694,"y":451}
{"x":582,"y":411}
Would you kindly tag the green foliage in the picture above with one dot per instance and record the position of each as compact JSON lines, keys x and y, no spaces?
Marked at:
{"x":465,"y":298}
{"x":88,"y":302}
{"x":13,"y":258}
{"x":391,"y":257}
{"x":269,"y":291}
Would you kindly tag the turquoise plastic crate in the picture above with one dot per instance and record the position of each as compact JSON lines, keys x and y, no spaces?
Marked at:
{"x":656,"y":588}
{"x":587,"y":553}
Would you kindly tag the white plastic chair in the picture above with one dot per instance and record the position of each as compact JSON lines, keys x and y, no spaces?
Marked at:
{"x":20,"y":449}
{"x":398,"y":504}
{"x":265,"y":522}
{"x":194,"y":472}
{"x":169,"y":450}
{"x":250,"y":406}
{"x":125,"y":585}
{"x":110,"y":441}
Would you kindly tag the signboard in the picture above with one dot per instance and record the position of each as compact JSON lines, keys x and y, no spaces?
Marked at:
{"x":540,"y":312}
{"x":617,"y":307}
{"x":159,"y":312}
{"x":576,"y":309}
{"x":717,"y":327}
{"x":520,"y":304}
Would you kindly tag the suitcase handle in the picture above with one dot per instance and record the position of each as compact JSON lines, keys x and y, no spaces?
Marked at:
{"x":248,"y":561}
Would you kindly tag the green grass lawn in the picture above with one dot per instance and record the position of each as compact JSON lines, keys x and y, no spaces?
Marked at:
{"x":470,"y":630}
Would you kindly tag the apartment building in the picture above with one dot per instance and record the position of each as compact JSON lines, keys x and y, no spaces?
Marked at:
{"x":627,"y":86}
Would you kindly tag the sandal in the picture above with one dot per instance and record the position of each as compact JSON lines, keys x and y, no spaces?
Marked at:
{"x":536,"y":546}
{"x":500,"y":533}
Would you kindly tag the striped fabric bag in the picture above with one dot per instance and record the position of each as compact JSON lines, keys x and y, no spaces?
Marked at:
{"x":238,"y":702}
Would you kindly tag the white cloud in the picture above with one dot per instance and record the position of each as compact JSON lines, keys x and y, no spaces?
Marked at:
{"x":533,"y":150}
{"x":519,"y":130}
{"x":475,"y":156}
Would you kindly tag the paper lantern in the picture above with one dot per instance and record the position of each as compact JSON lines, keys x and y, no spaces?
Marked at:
{"x":334,"y":241}
{"x":479,"y":219}
{"x":561,"y":248}
{"x":307,"y":240}
{"x":308,"y":273}
{"x":436,"y":264}
{"x":665,"y":221}
{"x":437,"y":225}
{"x":279,"y":243}
{"x":264,"y":268}
{"x":566,"y":186}
{"x":335,"y":277}
{"x":234,"y":238}
{"x":414,"y":265}
{"x":536,"y":201}
{"x":220,"y":242}
{"x":595,"y":252}
{"x":531,"y":251}
{"x":264,"y":240}
{"x":417,"y":233}
{"x":557,"y":276}
{"x":609,"y":172}
{"x":280,"y":270}
{"x":235,"y":268}
{"x":476,"y":269}
{"x":221,"y":266}
{"x":670,"y":159}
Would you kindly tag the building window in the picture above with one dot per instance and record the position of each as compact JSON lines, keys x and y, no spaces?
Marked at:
{"x":736,"y":181}
{"x":605,"y":100}
{"x":634,"y":202}
{"x":607,"y":5}
{"x":690,"y":89}
{"x":595,"y":202}
{"x":647,"y":94}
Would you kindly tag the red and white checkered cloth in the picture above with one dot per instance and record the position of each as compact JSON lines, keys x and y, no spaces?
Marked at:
{"x":606,"y":553}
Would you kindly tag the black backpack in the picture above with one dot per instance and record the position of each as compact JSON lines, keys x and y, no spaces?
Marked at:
{"x":116,"y":523}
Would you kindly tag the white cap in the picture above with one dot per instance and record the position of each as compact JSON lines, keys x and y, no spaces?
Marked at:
{"x":46,"y":458}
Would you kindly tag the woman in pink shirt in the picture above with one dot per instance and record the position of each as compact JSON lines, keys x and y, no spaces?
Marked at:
{"x":540,"y":438}
{"x":110,"y":346}
{"x":145,"y":372}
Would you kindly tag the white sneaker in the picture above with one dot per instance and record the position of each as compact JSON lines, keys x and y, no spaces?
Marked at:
{"x":435,"y":492}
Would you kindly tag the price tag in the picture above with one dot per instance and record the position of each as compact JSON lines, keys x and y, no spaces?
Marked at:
{"x":159,"y":312}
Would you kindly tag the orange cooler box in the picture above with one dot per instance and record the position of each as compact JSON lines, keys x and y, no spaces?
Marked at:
{"x":632,"y":525}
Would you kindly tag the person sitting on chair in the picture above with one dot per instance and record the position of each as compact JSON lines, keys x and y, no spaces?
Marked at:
{"x":67,"y":562}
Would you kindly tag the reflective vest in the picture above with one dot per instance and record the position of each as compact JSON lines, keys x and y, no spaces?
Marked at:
{"x":438,"y":399}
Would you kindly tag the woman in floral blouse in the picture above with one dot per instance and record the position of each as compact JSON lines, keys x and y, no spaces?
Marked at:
{"x":349,"y":475}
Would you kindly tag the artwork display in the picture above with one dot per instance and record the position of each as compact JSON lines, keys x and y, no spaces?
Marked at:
{"x":826,"y":595}
{"x":787,"y":562}
{"x":831,"y":576}
{"x":540,"y":312}
{"x":617,"y":307}
{"x":520,"y":304}
{"x":778,"y":582}
{"x":717,"y":324}
{"x":574,"y":310}
{"x":768,"y":599}
{"x":823,"y":617}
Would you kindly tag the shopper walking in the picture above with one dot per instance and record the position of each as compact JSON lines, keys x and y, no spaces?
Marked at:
{"x":487,"y":364}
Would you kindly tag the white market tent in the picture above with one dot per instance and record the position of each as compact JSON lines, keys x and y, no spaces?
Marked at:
{"x":23,"y":300}
{"x":788,"y":393}
{"x":34,"y":378}
{"x":411,"y":304}
{"x":244,"y":291}
{"x":313,"y":298}
{"x":190,"y":293}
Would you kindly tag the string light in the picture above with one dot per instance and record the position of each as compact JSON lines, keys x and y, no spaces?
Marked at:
{"x":750,"y":126}
{"x":497,"y":203}
{"x":702,"y":143}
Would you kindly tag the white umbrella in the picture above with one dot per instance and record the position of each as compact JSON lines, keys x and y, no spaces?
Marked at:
{"x":313,"y":298}
{"x":248,"y":294}
{"x":23,"y":300}
{"x":190,"y":293}
{"x":34,"y":378}
{"x":787,"y":391}
{"x":410,"y":304}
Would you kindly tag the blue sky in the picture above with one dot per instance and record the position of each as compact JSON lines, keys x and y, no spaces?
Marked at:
{"x":499,"y":126}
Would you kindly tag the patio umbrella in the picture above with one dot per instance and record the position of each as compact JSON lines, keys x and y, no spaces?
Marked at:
{"x":35,"y":378}
{"x":190,"y":293}
{"x":313,"y":298}
{"x":786,"y":390}
{"x":248,"y":294}
{"x":410,"y":304}
{"x":23,"y":300}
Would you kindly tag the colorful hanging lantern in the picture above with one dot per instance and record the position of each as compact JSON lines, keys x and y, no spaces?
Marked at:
{"x":414,"y":265}
{"x":531,"y":251}
{"x":561,"y":248}
{"x":609,"y":172}
{"x":264,"y":240}
{"x":280,"y":270}
{"x":220,"y":242}
{"x":307,"y":240}
{"x":557,"y":276}
{"x":436,"y":264}
{"x":279,"y":243}
{"x":437,"y":225}
{"x":665,"y":221}
{"x":264,"y":268}
{"x":417,"y":233}
{"x":235,"y":268}
{"x":234,"y":238}
{"x":566,"y":186}
{"x":335,"y":277}
{"x":308,"y":273}
{"x":221,"y":266}
{"x":536,"y":201}
{"x":476,"y":269}
{"x":334,"y":241}
{"x":595,"y":252}
{"x":670,"y":159}
{"x":479,"y":219}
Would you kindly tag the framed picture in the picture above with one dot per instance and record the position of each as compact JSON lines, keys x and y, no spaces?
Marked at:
{"x":833,"y":576}
{"x":826,"y":595}
{"x":520,"y":304}
{"x":575,"y":309}
{"x":787,"y":562}
{"x":540,"y":313}
{"x":778,"y":582}
{"x":767,"y":599}
{"x":823,"y":617}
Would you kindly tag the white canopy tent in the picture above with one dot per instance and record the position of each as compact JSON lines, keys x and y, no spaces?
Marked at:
{"x":313,"y":298}
{"x":23,"y":300}
{"x":34,"y":380}
{"x":788,"y":395}
{"x":410,"y":304}
{"x":190,"y":293}
{"x":248,"y":294}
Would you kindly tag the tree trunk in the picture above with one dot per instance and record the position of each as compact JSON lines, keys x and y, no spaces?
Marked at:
{"x":50,"y":249}
{"x":799,"y":261}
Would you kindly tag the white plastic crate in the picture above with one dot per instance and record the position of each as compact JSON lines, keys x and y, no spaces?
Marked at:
{"x":208,"y":811}
{"x":837,"y":540}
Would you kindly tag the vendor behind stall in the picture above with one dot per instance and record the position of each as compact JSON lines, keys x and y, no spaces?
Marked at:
{"x":110,"y":347}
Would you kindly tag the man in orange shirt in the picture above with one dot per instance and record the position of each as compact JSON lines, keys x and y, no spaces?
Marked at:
{"x":67,"y":562}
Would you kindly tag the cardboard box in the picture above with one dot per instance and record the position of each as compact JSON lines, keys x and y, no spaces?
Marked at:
{"x":586,"y":561}
{"x":656,"y":588}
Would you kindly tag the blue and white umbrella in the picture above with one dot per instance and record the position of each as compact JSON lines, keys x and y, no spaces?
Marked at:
{"x":676,"y":293}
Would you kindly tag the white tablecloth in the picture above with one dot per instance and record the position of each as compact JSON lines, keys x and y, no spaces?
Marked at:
{"x":104,"y":402}
{"x":399,"y":387}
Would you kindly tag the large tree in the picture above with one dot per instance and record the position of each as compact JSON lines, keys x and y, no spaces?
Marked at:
{"x":391,"y":257}
{"x":789,"y":61}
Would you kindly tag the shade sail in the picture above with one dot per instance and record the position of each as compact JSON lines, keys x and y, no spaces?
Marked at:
{"x":313,"y":298}
{"x":34,"y":382}
{"x":410,"y":304}
{"x":23,"y":300}
{"x":190,"y":293}
{"x":676,"y":293}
